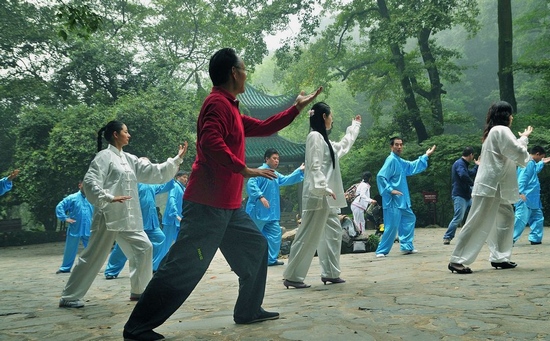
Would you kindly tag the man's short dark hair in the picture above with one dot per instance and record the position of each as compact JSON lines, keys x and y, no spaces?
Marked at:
{"x":537,"y":149}
{"x":221,"y":64}
{"x":392,"y":140}
{"x":269,"y":152}
{"x":181,"y":173}
{"x":467,"y":151}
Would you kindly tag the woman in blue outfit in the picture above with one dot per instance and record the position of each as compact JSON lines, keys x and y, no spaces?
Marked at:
{"x":173,"y":212}
{"x":76,"y":210}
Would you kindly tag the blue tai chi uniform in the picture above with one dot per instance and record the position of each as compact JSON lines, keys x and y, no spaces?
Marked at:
{"x":5,"y":185}
{"x":530,"y":210}
{"x":173,"y":211}
{"x":398,"y":215}
{"x":267,"y":219}
{"x":77,"y":207}
{"x":151,"y":226}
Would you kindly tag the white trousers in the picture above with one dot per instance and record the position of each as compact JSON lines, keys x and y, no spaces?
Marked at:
{"x":358,"y":217}
{"x":135,"y":245}
{"x":320,"y":230}
{"x":492,"y":220}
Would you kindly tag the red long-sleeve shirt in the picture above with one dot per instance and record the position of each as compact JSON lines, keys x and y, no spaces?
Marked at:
{"x":221,"y":130}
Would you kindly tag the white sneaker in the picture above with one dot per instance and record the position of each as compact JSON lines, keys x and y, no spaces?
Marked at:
{"x":409,"y":252}
{"x":63,"y":303}
{"x":380,"y":255}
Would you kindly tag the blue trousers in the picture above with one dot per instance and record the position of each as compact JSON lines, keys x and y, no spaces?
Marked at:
{"x":171,"y":234}
{"x":273,"y":234}
{"x":460,"y":207}
{"x":204,"y":229}
{"x":118,"y":259}
{"x":71,"y":249}
{"x":532,"y":216}
{"x":397,"y":221}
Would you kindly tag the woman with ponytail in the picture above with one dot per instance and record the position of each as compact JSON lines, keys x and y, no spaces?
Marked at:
{"x":323,"y":196}
{"x":491,"y":216}
{"x":110,"y":184}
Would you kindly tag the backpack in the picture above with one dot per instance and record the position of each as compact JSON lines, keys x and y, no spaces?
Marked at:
{"x":349,"y":194}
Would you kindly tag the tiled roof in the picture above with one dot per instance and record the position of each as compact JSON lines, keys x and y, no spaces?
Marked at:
{"x":258,"y":104}
{"x":290,"y":152}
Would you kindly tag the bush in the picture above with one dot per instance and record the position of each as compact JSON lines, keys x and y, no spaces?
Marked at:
{"x":18,"y":238}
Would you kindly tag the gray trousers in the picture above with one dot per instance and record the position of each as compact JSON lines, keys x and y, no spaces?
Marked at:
{"x":135,"y":245}
{"x":319,"y":231}
{"x":490,"y":219}
{"x":203,"y":230}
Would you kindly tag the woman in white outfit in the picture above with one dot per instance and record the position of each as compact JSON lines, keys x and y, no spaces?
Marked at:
{"x":362,"y":201}
{"x":323,"y":196}
{"x":491,"y":216}
{"x":110,"y":184}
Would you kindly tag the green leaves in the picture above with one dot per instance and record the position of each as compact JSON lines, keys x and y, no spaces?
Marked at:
{"x":78,"y":19}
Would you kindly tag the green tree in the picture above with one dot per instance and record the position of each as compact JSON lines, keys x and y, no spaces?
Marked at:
{"x":505,"y":57}
{"x":387,"y":50}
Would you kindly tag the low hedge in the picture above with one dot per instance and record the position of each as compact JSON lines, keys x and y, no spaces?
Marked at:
{"x":18,"y":238}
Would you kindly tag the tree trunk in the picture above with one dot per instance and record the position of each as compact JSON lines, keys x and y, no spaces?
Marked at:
{"x":410,"y":100}
{"x":436,"y":88}
{"x":505,"y":58}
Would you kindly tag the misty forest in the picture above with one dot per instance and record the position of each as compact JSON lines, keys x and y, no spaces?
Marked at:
{"x":426,"y":70}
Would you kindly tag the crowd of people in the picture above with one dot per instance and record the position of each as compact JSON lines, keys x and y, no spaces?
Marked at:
{"x":116,"y":206}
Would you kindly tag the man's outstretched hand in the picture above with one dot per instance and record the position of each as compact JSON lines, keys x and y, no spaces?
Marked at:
{"x":254,"y":172}
{"x":303,"y":100}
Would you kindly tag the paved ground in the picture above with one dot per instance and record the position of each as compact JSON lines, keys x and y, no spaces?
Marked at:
{"x":411,"y":297}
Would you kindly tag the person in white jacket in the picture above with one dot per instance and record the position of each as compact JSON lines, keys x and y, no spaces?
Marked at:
{"x":491,"y":216}
{"x":322,"y":198}
{"x":362,"y":201}
{"x":110,"y":184}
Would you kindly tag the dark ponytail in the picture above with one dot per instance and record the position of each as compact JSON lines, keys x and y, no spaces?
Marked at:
{"x":317,"y":123}
{"x":108,"y":130}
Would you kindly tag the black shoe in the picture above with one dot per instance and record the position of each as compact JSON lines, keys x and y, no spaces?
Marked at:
{"x":146,"y":336}
{"x":297,"y":285}
{"x":446,"y":241}
{"x":536,"y":243}
{"x":279,"y":262}
{"x":69,"y":271}
{"x":336,"y":280}
{"x":461,"y":269}
{"x":504,"y":265}
{"x":264,"y":316}
{"x":111,"y":277}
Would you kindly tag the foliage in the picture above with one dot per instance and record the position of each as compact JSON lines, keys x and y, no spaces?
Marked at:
{"x":369,"y":45}
{"x":80,"y":20}
{"x":19,"y":238}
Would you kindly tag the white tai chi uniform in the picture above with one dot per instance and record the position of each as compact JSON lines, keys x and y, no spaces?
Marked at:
{"x":491,"y":216}
{"x":360,"y":204}
{"x":320,"y":228}
{"x":116,"y":173}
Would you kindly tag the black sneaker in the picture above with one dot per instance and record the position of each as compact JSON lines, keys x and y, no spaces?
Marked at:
{"x":264,"y":316}
{"x":536,"y":243}
{"x":146,"y":336}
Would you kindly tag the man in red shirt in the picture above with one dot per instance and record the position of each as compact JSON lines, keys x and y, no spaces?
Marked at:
{"x":212,"y":214}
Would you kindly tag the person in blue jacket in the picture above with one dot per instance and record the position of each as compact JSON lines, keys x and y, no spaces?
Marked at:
{"x":151,"y":226}
{"x":461,"y":194}
{"x":76,"y":210}
{"x":396,"y":200}
{"x":529,"y":207}
{"x":264,"y":202}
{"x":173,"y":212}
{"x":6,"y":182}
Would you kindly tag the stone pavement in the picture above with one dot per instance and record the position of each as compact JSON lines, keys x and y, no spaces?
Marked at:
{"x":402,"y":297}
